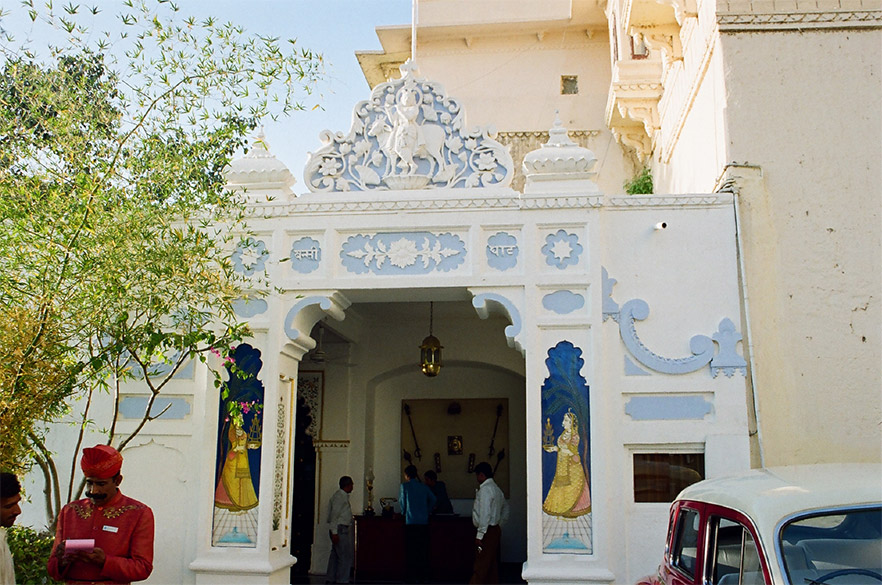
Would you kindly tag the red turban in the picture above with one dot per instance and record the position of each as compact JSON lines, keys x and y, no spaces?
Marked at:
{"x":101,"y":461}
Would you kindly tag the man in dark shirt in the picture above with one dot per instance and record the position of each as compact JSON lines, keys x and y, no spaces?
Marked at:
{"x":442,"y":501}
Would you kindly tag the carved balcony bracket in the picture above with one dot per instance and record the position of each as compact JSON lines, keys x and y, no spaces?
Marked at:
{"x":665,"y":39}
{"x":636,"y":139}
{"x":643,"y":111}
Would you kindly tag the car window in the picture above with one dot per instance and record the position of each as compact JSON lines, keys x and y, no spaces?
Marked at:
{"x":685,"y":549}
{"x":733,"y":557}
{"x":834,"y":546}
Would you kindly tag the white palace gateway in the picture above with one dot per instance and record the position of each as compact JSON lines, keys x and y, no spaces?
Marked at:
{"x":590,"y":352}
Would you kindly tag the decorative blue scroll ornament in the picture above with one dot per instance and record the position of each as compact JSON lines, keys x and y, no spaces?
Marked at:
{"x":701,"y":346}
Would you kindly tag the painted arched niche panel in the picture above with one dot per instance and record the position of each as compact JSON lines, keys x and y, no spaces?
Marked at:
{"x":237,"y":470}
{"x":566,"y":454}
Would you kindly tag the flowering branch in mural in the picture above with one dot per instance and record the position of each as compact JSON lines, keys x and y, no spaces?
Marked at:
{"x":237,"y":481}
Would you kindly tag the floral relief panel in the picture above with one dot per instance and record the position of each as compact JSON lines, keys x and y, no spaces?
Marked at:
{"x":237,"y":471}
{"x":566,"y":454}
{"x":399,"y":253}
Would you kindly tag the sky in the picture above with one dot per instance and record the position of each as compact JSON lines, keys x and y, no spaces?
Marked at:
{"x":334,"y":28}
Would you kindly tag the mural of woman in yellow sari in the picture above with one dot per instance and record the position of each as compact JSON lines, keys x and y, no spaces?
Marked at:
{"x":235,"y":489}
{"x":569,"y":495}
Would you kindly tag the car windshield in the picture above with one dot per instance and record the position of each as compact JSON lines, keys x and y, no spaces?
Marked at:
{"x":834,"y":547}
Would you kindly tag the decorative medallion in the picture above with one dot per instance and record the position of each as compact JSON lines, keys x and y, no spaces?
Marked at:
{"x":409,"y":135}
{"x":502,"y":251}
{"x":250,"y":256}
{"x":562,"y":249}
{"x":306,"y":254}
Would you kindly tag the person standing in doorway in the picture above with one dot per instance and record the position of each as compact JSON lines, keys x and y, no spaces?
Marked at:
{"x":439,"y":488}
{"x":339,"y":521}
{"x":416,"y":502}
{"x":489,"y":512}
{"x":10,"y":496}
{"x":105,"y":537}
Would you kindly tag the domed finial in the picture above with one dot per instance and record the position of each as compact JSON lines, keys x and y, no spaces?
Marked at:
{"x":557,"y":134}
{"x":560,"y":164}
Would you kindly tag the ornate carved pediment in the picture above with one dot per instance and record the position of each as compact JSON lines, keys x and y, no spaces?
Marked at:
{"x":409,"y":135}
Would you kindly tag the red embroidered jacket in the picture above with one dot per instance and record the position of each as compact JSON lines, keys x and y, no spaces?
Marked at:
{"x":122,"y":528}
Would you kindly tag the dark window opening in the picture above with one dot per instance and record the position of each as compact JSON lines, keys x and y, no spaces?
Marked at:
{"x":659,"y":477}
{"x":569,"y":84}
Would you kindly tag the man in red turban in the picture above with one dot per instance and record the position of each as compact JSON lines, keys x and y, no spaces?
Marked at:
{"x":105,"y":537}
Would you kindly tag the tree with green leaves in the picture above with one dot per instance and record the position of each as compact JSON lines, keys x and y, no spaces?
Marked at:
{"x":117,"y":229}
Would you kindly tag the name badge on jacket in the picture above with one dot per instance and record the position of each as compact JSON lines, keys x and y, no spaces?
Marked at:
{"x":110,"y":528}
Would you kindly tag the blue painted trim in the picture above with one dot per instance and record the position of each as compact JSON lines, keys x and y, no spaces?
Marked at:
{"x":701,"y":346}
{"x":610,"y":307}
{"x":668,"y":407}
{"x":511,"y":331}
{"x":323,"y":302}
{"x":563,"y":302}
{"x":631,"y":369}
{"x":132,"y":407}
{"x":727,"y":361}
{"x":249,"y":307}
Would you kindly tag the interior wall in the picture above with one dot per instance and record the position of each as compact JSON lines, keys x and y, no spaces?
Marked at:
{"x":457,"y":380}
{"x":453,"y":436}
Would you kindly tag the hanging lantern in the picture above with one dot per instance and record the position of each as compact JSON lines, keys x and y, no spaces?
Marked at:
{"x":430,"y":350}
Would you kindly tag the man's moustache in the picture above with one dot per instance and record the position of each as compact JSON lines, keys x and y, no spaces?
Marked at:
{"x":92,"y":496}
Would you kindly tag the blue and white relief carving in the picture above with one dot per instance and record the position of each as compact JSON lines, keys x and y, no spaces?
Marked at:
{"x":563,"y":302}
{"x":402,"y":253}
{"x":409,"y":135}
{"x":502,"y":251}
{"x":562,"y":249}
{"x":306,"y":254}
{"x":702,"y":347}
{"x":250,"y":256}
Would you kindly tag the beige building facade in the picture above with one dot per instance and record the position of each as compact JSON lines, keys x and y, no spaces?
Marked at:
{"x":777,"y":102}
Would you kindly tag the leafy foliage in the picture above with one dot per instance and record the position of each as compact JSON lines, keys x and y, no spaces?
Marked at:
{"x":641,"y":184}
{"x":30,"y":550}
{"x":117,"y":229}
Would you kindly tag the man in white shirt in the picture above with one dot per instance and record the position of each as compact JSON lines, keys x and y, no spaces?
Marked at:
{"x":10,"y":496}
{"x":489,"y":512}
{"x":339,"y":521}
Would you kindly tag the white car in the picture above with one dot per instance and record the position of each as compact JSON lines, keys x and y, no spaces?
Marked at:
{"x":800,"y":525}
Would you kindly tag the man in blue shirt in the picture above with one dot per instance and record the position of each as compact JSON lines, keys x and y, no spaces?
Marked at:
{"x":416,"y":502}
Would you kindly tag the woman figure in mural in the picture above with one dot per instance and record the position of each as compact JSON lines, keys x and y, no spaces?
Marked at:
{"x":235,"y":490}
{"x":569,"y":495}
